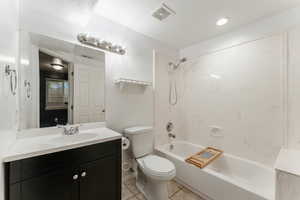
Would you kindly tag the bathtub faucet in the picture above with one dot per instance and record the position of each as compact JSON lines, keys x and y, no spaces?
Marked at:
{"x":171,"y":135}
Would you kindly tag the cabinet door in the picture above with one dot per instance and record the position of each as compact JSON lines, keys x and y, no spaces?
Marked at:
{"x":57,"y":185}
{"x":99,"y":180}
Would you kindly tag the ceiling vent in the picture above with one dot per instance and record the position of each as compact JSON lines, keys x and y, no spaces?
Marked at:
{"x":163,"y":12}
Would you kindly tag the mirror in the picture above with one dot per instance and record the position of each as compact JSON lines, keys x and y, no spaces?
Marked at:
{"x":55,"y":91}
{"x":64,"y":83}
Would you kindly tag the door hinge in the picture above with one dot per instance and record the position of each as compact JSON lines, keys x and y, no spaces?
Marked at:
{"x":72,"y":107}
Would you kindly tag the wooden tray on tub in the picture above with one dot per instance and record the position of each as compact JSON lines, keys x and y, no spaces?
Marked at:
{"x":204,"y":157}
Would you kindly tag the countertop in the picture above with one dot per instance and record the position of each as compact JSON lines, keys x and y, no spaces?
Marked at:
{"x":40,"y":145}
{"x":288,"y":161}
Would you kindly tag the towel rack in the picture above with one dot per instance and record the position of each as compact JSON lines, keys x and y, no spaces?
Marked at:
{"x":125,"y":81}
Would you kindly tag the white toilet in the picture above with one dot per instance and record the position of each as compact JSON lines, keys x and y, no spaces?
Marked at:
{"x":153,"y":171}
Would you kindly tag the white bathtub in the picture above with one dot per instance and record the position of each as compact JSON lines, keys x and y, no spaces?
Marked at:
{"x":228,"y":178}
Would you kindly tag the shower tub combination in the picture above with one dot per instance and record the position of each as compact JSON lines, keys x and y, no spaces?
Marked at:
{"x":227,"y":178}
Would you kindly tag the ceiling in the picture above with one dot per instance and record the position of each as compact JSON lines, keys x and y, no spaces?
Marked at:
{"x":195,"y":20}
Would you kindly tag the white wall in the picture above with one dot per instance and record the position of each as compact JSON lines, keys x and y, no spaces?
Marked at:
{"x":132,"y":106}
{"x":8,"y":55}
{"x":28,"y":107}
{"x":294,"y":88}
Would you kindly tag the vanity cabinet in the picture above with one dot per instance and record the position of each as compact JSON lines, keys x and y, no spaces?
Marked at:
{"x":87,"y":173}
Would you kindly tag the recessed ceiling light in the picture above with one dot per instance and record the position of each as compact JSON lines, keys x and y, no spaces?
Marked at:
{"x":57,"y":67}
{"x":57,"y":64}
{"x":222,"y":21}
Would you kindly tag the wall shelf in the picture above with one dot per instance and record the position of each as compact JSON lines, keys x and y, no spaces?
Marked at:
{"x":124,"y":81}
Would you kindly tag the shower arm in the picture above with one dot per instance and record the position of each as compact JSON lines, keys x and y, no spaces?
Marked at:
{"x":173,"y":103}
{"x":173,"y":82}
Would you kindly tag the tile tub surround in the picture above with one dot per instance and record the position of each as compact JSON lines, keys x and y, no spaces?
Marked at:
{"x":236,"y":105}
{"x":175,"y":190}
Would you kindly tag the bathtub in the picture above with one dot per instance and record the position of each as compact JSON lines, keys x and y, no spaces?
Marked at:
{"x":227,"y":178}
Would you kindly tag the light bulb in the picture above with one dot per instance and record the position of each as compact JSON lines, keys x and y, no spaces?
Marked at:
{"x":222,"y":21}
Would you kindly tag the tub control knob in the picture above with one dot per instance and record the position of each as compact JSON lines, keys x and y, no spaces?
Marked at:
{"x":170,"y":127}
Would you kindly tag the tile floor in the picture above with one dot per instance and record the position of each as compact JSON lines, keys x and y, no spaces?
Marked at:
{"x":176,"y":191}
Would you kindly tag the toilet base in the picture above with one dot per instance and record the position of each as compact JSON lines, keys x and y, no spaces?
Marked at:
{"x":150,"y":188}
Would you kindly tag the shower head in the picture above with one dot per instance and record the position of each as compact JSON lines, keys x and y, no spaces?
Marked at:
{"x":175,"y":66}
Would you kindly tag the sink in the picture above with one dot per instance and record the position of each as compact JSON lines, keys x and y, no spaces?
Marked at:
{"x":64,"y":139}
{"x":42,"y":144}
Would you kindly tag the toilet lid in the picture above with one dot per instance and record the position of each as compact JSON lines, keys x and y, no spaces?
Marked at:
{"x":157,"y":165}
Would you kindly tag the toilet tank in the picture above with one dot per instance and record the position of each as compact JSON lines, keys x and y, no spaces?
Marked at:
{"x":142,"y":140}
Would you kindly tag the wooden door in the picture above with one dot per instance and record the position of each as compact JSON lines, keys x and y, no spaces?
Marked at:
{"x":99,"y":180}
{"x":57,"y":185}
{"x":89,"y":103}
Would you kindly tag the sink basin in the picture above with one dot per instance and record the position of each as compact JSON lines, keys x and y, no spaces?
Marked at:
{"x":73,"y":138}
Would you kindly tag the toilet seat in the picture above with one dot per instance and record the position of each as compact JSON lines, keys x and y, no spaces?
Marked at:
{"x":157,"y":167}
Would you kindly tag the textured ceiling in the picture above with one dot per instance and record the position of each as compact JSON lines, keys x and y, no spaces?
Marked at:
{"x":194,"y":20}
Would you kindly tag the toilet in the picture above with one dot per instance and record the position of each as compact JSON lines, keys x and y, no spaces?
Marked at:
{"x":153,"y":172}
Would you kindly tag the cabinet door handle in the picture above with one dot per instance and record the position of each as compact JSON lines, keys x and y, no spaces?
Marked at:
{"x":75,"y":177}
{"x":83,"y":174}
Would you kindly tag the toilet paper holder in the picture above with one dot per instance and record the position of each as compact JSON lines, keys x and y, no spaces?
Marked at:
{"x":125,"y":143}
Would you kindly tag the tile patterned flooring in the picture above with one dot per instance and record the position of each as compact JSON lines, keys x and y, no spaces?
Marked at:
{"x":176,"y":191}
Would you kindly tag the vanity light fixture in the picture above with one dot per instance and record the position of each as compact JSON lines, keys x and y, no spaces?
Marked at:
{"x":101,"y":44}
{"x":222,"y":21}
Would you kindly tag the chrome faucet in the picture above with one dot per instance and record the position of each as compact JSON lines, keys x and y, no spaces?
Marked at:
{"x":69,"y":130}
{"x":170,"y":127}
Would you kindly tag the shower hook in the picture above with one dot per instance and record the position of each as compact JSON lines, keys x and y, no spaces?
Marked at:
{"x":12,"y":73}
{"x":27,"y":86}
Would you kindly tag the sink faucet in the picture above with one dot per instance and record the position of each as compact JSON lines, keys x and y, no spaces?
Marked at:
{"x":69,"y":130}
